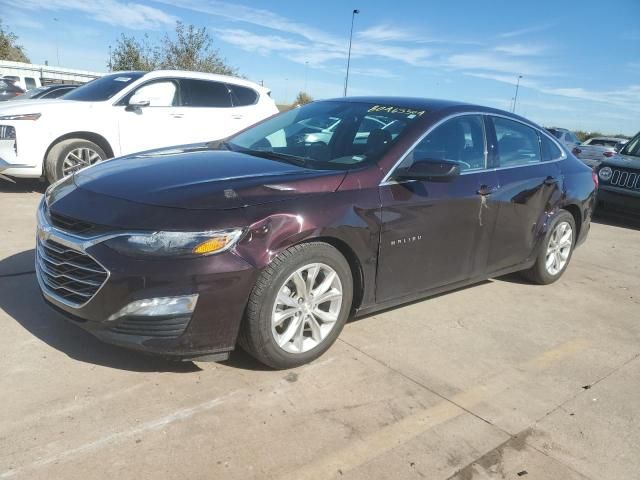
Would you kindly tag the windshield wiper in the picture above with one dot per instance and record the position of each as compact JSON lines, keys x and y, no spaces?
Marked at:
{"x":271,"y":155}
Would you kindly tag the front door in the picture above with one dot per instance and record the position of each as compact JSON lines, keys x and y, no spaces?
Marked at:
{"x":437,"y":233}
{"x":155,"y":125}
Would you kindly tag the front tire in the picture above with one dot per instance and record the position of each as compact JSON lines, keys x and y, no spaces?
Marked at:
{"x":69,"y":156}
{"x":298,"y":306}
{"x":556,"y":250}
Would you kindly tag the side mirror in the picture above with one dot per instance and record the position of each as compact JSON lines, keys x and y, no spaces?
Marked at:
{"x":137,"y":102}
{"x":428,"y":169}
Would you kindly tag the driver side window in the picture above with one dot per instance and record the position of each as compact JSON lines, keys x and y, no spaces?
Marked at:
{"x":459,"y":140}
{"x":159,"y":94}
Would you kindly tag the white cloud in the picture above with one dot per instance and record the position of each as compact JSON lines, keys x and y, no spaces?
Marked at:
{"x":527,"y":30}
{"x":519,"y":49}
{"x":490,"y":62}
{"x":113,"y":12}
{"x":373,"y":72}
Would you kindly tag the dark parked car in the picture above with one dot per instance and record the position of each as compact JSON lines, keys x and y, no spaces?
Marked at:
{"x":273,"y":241}
{"x":620,"y":179}
{"x":48,"y":91}
{"x":8,"y":90}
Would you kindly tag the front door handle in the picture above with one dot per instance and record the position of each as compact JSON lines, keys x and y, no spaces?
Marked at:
{"x":486,"y":190}
{"x":177,"y":115}
{"x":237,"y":117}
{"x":550,"y":180}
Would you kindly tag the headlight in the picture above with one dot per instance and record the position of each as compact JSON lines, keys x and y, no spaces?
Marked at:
{"x":605,"y":173}
{"x":175,"y":244}
{"x":21,"y":116}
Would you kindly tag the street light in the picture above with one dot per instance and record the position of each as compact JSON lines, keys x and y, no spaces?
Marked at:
{"x":56,"y":34}
{"x":515,"y":98}
{"x":346,"y":80}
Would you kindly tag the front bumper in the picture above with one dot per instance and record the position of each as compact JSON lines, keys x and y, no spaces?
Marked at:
{"x":223,"y":283}
{"x":619,"y":199}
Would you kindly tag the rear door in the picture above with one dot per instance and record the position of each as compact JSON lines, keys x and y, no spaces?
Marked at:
{"x":437,"y":233}
{"x":530,"y":183}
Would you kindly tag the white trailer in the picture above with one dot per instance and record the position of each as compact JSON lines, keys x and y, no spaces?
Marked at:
{"x":31,"y":75}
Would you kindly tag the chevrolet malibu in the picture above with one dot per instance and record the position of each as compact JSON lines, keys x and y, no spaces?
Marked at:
{"x":272,"y":241}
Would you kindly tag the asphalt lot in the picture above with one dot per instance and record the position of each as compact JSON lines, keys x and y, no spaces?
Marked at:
{"x":500,"y":380}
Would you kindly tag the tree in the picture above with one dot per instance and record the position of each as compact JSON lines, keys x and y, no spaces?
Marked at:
{"x":9,"y":49}
{"x":191,"y":49}
{"x":302,"y":99}
{"x":132,"y":54}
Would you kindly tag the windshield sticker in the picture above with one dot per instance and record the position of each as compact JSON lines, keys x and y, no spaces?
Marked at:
{"x":402,"y":111}
{"x":122,"y":79}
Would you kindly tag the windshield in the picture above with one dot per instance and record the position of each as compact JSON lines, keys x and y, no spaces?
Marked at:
{"x":103,"y":88}
{"x":633,"y":147}
{"x":328,"y":135}
{"x":31,"y":93}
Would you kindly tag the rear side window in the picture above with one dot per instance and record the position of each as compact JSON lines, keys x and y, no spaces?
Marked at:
{"x":517,"y":143}
{"x":550,"y":151}
{"x":204,"y":93}
{"x":242,"y":96}
{"x":29,"y":83}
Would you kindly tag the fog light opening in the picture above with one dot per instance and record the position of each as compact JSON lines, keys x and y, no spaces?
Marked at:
{"x":159,"y":306}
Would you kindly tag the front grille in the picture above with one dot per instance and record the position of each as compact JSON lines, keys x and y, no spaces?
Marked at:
{"x":152,"y":326}
{"x":628,"y":179}
{"x":69,"y":224}
{"x":70,"y":275}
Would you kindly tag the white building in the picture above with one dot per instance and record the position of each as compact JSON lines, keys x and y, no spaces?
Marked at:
{"x":31,"y":75}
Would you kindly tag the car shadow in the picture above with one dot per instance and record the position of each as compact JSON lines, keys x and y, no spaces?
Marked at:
{"x":21,"y":300}
{"x":22,"y":185}
{"x":614,"y":219}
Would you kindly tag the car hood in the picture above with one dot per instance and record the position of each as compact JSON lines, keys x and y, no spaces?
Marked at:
{"x":200,"y":177}
{"x":42,"y":106}
{"x":622,"y":161}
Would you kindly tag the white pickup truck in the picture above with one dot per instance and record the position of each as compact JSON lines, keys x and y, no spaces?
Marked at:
{"x":597,"y":149}
{"x":122,"y":113}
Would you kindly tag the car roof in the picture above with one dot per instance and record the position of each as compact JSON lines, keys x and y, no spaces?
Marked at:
{"x":431,"y":104}
{"x":616,"y":139}
{"x":201,"y":76}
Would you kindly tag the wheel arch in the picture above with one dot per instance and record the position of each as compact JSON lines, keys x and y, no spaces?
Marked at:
{"x":574,"y":210}
{"x":96,"y":138}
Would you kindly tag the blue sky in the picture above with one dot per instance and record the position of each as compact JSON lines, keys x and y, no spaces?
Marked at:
{"x":580,"y":60}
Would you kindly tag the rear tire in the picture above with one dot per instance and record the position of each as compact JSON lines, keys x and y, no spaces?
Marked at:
{"x":69,"y":156}
{"x":555,"y":252}
{"x":305,"y":293}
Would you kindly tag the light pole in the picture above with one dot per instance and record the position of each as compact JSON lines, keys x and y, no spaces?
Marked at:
{"x":515,"y":98}
{"x":306,"y":76}
{"x":57,"y":50}
{"x":346,"y":79}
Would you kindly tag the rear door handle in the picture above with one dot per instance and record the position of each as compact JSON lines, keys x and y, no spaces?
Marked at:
{"x":177,"y":115}
{"x":486,"y":190}
{"x":550,"y":180}
{"x":237,"y":117}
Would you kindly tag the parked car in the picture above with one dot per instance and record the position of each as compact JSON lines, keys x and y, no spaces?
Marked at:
{"x":272,"y":242}
{"x":123,"y":113}
{"x":620,"y":179}
{"x":567,"y":137}
{"x":596,"y":149}
{"x":47,"y":92}
{"x":25,"y":82}
{"x":8,"y":90}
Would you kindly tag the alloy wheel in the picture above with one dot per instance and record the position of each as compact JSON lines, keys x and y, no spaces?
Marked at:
{"x":79,"y":158}
{"x":559,"y":248}
{"x":306,"y":308}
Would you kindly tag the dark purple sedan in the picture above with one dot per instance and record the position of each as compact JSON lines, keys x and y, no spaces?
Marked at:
{"x":273,"y":238}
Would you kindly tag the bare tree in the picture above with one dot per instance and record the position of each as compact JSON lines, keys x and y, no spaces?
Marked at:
{"x":302,"y":99}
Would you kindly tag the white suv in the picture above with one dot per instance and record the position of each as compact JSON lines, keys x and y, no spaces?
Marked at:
{"x":123,"y":113}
